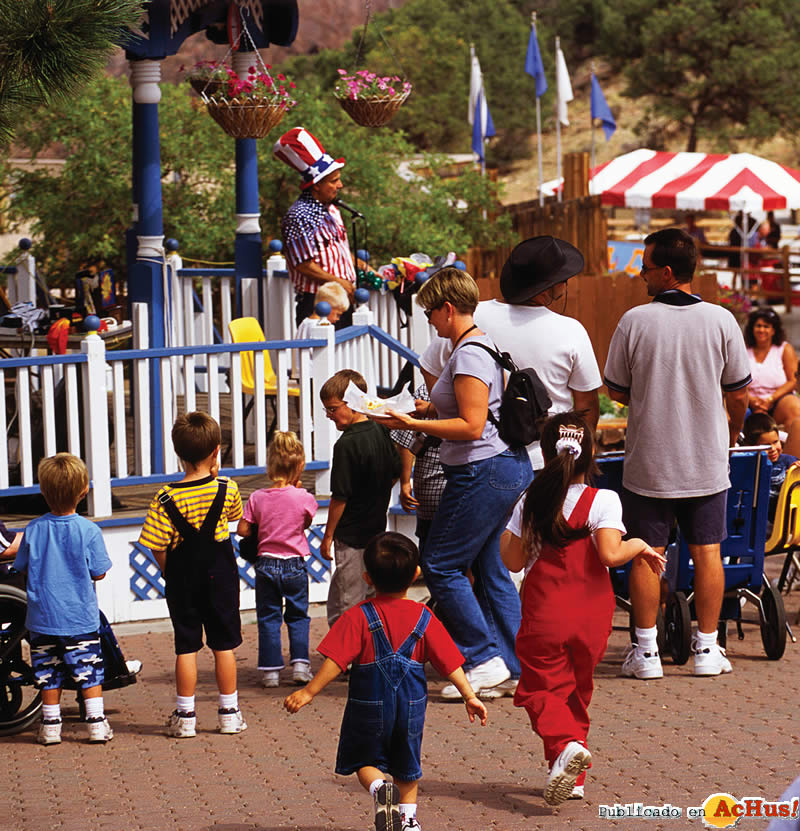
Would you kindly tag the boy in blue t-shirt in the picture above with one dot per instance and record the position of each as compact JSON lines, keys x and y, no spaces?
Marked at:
{"x":760,"y":428}
{"x":62,"y":554}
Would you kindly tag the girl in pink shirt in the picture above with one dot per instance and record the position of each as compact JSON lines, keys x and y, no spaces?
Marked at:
{"x":279,"y":516}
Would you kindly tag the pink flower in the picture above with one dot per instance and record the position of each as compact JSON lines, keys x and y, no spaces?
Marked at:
{"x":281,"y":77}
{"x":292,"y":85}
{"x":251,"y":70}
{"x":342,"y":71}
{"x":391,"y":90}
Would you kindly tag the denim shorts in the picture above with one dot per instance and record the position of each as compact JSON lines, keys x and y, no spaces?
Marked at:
{"x":56,"y":658}
{"x":701,"y":519}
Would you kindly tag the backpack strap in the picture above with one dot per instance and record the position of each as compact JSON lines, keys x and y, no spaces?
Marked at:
{"x":503,"y":360}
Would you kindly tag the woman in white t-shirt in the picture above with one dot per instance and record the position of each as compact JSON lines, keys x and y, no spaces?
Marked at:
{"x":565,"y":535}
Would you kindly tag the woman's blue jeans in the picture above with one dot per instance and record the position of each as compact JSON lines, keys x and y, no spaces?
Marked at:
{"x":482,"y":618}
{"x":278,"y":579}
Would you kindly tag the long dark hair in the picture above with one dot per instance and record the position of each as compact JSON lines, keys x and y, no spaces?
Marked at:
{"x":542,"y":520}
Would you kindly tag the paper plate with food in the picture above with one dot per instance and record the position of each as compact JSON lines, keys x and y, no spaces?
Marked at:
{"x":371,"y":405}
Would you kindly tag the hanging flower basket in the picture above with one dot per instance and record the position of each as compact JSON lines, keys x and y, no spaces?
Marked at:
{"x":370,"y":100}
{"x":245,"y":117}
{"x":244,"y":107}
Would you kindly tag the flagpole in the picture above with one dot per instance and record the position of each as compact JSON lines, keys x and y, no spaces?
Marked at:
{"x":538,"y":130}
{"x":591,"y":122}
{"x":558,"y":128}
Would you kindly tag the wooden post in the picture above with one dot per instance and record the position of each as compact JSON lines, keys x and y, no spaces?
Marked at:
{"x":576,"y":175}
{"x":787,"y":283}
{"x":95,"y":417}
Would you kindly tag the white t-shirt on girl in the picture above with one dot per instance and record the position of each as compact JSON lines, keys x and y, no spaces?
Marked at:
{"x":606,"y":512}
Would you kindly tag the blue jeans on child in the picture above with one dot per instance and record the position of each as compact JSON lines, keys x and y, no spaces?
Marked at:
{"x":385,"y":713}
{"x":482,"y":618}
{"x":279,"y":579}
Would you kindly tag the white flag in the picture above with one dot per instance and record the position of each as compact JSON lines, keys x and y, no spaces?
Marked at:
{"x":564,"y":87}
{"x":475,"y":84}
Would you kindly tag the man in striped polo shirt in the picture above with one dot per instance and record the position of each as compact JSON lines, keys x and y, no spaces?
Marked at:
{"x":314,"y":236}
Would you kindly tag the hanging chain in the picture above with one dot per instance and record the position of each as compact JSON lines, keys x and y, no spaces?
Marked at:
{"x":359,"y":51}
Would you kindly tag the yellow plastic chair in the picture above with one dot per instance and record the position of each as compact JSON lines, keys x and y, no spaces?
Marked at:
{"x":785,"y":536}
{"x":248,"y":330}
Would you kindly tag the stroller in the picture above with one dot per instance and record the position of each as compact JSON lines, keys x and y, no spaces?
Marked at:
{"x":742,"y":557}
{"x":20,"y":701}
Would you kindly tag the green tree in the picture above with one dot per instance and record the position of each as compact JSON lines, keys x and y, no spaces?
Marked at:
{"x":83,"y":209}
{"x":50,"y":48}
{"x":718,"y":68}
{"x":428,"y":41}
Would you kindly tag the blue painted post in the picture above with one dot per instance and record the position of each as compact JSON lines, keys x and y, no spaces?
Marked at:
{"x":247,"y":248}
{"x":145,"y":283}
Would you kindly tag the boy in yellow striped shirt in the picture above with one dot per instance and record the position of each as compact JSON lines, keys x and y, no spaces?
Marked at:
{"x":186,"y":528}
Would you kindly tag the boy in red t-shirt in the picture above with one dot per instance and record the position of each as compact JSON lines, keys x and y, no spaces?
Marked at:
{"x":387,"y":640}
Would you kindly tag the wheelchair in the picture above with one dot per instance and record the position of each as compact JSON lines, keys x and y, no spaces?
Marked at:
{"x":20,"y":700}
{"x":743,"y":564}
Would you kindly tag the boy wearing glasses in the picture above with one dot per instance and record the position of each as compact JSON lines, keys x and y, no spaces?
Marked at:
{"x":364,"y":467}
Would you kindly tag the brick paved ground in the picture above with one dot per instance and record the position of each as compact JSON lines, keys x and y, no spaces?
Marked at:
{"x":676,"y":740}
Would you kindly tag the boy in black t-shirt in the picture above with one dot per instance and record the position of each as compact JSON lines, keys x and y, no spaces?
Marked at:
{"x":364,"y":467}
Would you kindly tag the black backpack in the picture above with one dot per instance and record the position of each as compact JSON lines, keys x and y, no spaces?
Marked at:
{"x":524,"y":404}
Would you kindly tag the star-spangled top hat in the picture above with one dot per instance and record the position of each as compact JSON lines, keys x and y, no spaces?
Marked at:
{"x":300,"y":150}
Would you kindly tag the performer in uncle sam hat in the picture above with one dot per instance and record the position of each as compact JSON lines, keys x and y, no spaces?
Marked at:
{"x":314,"y":237}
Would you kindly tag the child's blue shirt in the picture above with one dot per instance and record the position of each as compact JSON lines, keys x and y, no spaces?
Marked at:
{"x":61,"y":555}
{"x":778,"y":474}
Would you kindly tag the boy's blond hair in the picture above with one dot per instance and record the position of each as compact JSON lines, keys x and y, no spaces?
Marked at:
{"x":334,"y":294}
{"x":62,"y":481}
{"x":335,"y":386}
{"x":195,"y":436}
{"x":450,"y":285}
{"x":286,"y":457}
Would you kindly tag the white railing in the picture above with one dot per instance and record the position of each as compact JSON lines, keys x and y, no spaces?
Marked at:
{"x":194,"y":326}
{"x":119,"y":417}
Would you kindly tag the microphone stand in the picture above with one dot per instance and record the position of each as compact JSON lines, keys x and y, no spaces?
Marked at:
{"x":354,"y":218}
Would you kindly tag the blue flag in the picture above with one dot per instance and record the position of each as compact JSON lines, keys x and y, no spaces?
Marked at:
{"x":482,"y":125}
{"x":534,"y":65}
{"x":601,"y":110}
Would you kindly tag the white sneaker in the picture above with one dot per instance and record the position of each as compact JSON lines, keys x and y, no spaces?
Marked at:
{"x":710,"y":661}
{"x":578,"y":792}
{"x":571,"y":762}
{"x":641,"y":664}
{"x":134,"y":666}
{"x":182,"y":725}
{"x":506,"y":688}
{"x":411,"y":824}
{"x":301,"y":672}
{"x":99,"y":730}
{"x":231,"y":721}
{"x":270,"y":678}
{"x":49,"y":732}
{"x":482,"y":677}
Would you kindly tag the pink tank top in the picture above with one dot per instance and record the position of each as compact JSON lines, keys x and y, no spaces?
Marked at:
{"x":768,"y":375}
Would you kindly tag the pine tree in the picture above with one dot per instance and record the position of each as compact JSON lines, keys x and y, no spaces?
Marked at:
{"x":50,"y":48}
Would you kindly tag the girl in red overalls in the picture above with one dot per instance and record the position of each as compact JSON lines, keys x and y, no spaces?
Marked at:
{"x":565,"y":535}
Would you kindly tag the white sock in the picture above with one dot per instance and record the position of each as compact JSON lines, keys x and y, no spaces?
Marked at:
{"x":375,"y":785}
{"x":229,"y":701}
{"x":51,"y":712}
{"x":647,"y":639}
{"x":408,"y":810}
{"x":706,"y":640}
{"x":184,"y":703}
{"x":94,"y":708}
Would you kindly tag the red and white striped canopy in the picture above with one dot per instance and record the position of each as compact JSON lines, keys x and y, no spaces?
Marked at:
{"x":697,"y":182}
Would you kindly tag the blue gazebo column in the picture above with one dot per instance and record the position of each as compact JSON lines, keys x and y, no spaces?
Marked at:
{"x":145,"y":283}
{"x":247,"y":248}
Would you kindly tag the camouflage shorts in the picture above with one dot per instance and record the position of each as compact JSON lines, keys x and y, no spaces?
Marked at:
{"x":57,"y":658}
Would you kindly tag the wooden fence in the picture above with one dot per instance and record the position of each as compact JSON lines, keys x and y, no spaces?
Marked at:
{"x":581,"y":222}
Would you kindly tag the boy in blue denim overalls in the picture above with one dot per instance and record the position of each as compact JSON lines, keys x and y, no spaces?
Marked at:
{"x":387,"y":640}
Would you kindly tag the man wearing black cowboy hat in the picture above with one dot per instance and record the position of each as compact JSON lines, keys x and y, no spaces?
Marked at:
{"x":524,"y":324}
